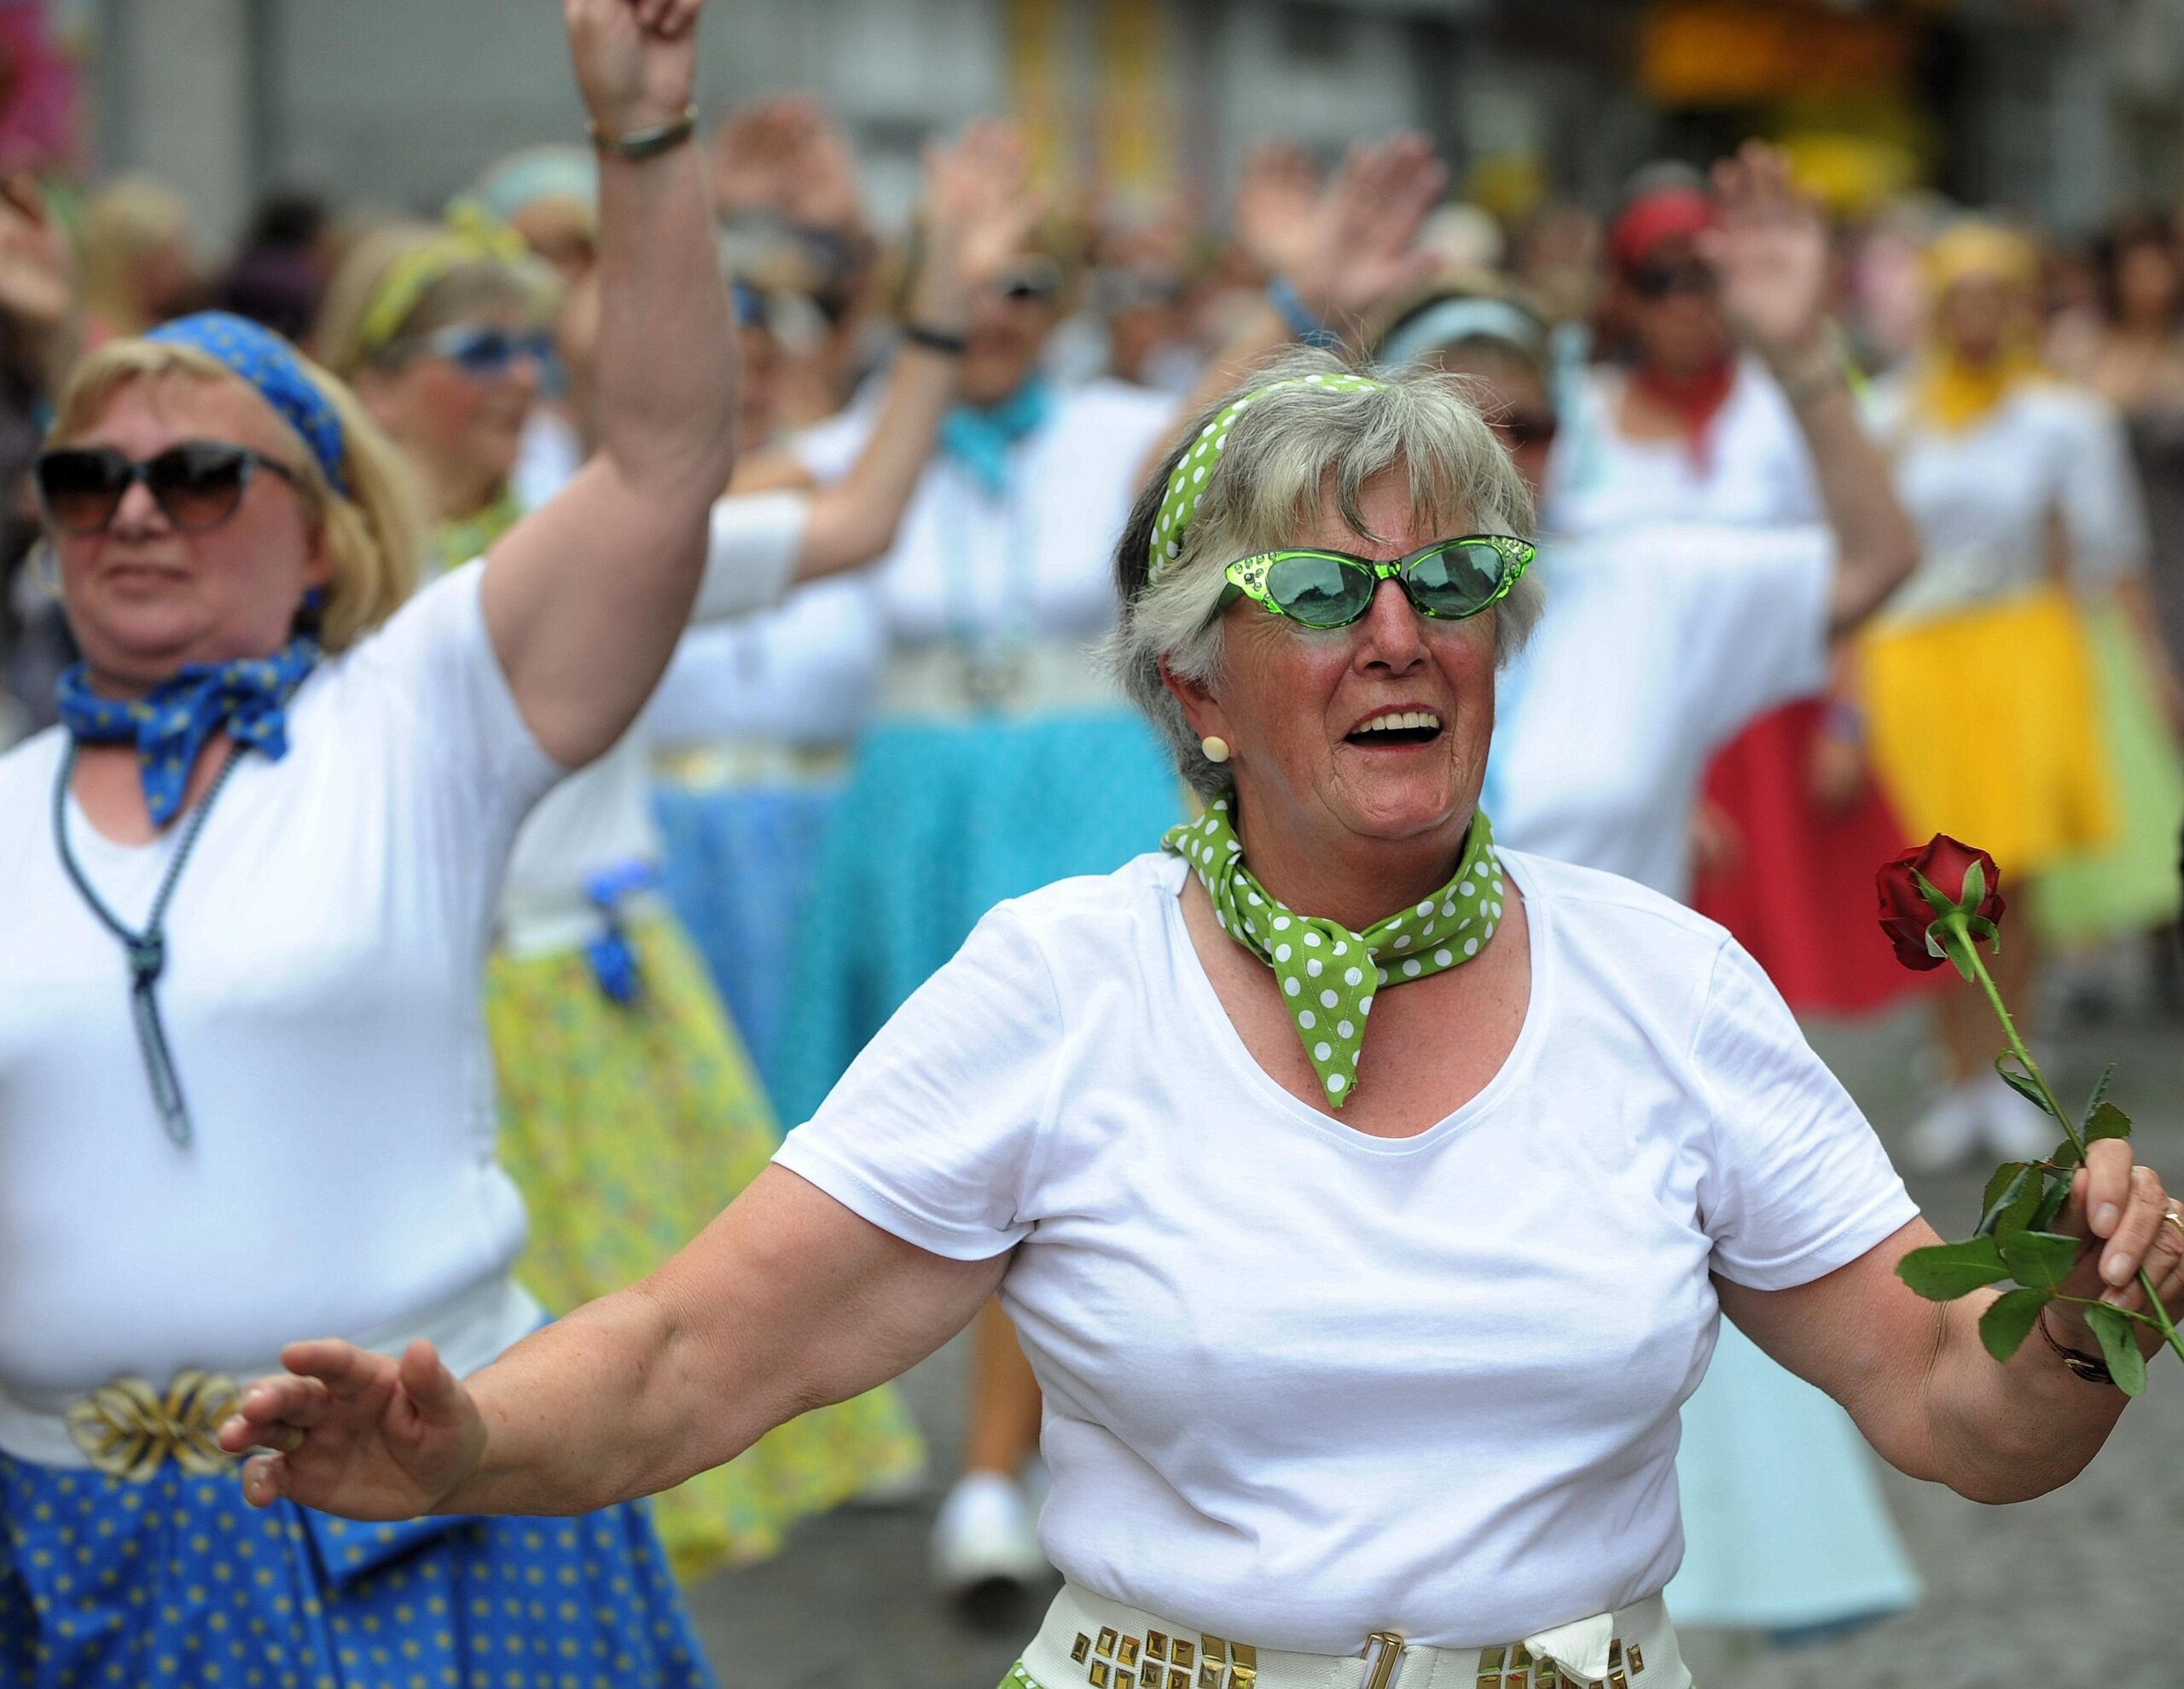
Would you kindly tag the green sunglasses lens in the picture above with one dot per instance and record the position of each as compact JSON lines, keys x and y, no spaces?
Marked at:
{"x":1318,"y":590}
{"x":1457,"y":580}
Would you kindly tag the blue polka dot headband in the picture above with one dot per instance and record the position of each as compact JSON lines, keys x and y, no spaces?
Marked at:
{"x":1187,"y":483}
{"x":270,"y":365}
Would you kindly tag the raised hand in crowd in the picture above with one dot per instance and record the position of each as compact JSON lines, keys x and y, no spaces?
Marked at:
{"x":785,"y":155}
{"x":37,"y":298}
{"x":1334,"y":251}
{"x":976,"y":210}
{"x":1769,"y":248}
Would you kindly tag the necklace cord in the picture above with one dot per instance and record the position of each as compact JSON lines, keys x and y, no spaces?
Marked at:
{"x":146,"y":950}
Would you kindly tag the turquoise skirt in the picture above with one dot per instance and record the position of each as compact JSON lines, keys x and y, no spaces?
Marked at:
{"x":738,"y":866}
{"x":940,"y":821}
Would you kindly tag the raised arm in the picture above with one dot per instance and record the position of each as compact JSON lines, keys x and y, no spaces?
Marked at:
{"x":1770,"y":250}
{"x":584,"y":599}
{"x":785,"y":1303}
{"x":976,"y":213}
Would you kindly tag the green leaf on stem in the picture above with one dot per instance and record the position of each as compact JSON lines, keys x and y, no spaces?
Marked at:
{"x":2009,"y":1321}
{"x":1985,"y":932}
{"x":2100,"y":1091}
{"x":2119,"y":1347}
{"x":2023,"y":1084}
{"x":1975,"y":888}
{"x":1938,"y":901}
{"x":2040,"y":1260}
{"x":1944,"y":1272}
{"x":2004,"y":1191}
{"x":2051,"y":1204}
{"x":2107,"y":1121}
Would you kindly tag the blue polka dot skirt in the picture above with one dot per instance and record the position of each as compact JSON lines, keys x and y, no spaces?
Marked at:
{"x":176,"y":1581}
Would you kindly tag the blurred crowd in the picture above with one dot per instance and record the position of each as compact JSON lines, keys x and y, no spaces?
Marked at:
{"x":918,"y":715}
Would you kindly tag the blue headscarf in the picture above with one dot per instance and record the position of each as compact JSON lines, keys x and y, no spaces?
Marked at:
{"x":170,"y":724}
{"x":272,"y":366}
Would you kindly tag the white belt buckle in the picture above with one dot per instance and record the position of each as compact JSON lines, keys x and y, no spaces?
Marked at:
{"x":1384,"y":1652}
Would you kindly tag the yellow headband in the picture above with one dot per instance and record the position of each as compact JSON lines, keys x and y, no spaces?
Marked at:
{"x":472,"y":235}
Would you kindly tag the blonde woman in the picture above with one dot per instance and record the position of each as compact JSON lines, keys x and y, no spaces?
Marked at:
{"x":248,"y":890}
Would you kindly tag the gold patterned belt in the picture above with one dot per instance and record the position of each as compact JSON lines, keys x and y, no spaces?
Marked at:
{"x":1090,"y":1642}
{"x":128,"y":1429}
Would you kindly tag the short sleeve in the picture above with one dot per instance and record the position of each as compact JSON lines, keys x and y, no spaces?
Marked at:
{"x":932,"y":1134}
{"x":2103,"y":507}
{"x":751,"y":553}
{"x":433,"y":667}
{"x":1797,"y":1184}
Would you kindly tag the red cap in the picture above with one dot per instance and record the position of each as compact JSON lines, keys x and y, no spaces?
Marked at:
{"x":1653,"y":218}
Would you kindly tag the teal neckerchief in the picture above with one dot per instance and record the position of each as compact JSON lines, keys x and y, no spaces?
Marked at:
{"x":1328,"y":973}
{"x":979,"y":437}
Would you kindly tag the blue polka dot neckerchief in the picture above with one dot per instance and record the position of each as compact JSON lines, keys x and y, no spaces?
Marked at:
{"x":170,"y":724}
{"x":147,"y":951}
{"x":1328,"y":974}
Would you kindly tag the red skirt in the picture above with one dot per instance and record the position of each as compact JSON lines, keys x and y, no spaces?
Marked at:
{"x":1801,"y":897}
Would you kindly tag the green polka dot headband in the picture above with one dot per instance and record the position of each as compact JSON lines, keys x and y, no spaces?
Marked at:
{"x":1187,"y":483}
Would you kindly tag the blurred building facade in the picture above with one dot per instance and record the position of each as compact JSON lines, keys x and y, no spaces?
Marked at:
{"x":2068,"y":109}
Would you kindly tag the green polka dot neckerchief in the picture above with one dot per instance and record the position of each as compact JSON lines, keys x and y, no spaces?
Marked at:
{"x":1329,"y":974}
{"x":1187,"y":481}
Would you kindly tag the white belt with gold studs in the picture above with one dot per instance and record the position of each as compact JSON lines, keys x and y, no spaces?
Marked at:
{"x":1090,"y":1642}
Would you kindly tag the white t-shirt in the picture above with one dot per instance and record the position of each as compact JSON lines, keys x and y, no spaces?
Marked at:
{"x":1302,"y":1384}
{"x":321,"y":998}
{"x":1755,"y":471}
{"x":1658,"y":645}
{"x":601,"y":817}
{"x":1986,"y":498}
{"x":969,"y":568}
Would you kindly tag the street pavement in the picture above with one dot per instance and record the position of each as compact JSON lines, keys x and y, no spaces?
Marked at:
{"x":2072,"y":1589}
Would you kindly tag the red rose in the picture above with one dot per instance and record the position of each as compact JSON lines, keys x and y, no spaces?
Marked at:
{"x":1905,"y":913}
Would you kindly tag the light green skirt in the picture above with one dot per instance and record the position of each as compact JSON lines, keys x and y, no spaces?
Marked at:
{"x":628,"y":1130}
{"x":2129,"y":886}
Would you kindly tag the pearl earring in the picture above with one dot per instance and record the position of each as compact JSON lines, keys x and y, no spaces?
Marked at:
{"x":1215,"y":748}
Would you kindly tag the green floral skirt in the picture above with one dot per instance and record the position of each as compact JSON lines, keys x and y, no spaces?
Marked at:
{"x":628,"y":1130}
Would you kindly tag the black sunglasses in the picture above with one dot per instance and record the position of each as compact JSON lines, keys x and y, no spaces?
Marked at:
{"x":1656,"y":280}
{"x":197,"y":484}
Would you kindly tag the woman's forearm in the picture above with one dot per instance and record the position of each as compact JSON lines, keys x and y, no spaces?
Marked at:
{"x":666,"y":362}
{"x":599,"y":1407}
{"x":1877,"y":545}
{"x":2008,"y":1431}
{"x":855,"y":520}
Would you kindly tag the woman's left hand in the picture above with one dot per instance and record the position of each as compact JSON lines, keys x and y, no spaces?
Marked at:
{"x":636,"y":60}
{"x":2128,"y":1221}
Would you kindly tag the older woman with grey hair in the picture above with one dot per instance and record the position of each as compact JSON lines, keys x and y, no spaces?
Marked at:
{"x":1367,"y":1197}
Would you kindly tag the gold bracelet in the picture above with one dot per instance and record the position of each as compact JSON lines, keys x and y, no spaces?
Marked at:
{"x":645,"y":143}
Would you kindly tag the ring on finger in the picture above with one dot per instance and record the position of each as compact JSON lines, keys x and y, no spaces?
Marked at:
{"x":2171,"y":1214}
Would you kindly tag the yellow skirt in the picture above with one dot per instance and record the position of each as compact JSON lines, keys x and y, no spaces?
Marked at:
{"x":628,"y":1130}
{"x":1984,"y":725}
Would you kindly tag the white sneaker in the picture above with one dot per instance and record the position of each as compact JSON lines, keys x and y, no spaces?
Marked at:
{"x":2014,"y":1128}
{"x":1948,"y":1134}
{"x":984,"y":1536}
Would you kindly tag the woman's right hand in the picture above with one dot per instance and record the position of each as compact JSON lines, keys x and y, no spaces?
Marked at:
{"x":355,"y":1433}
